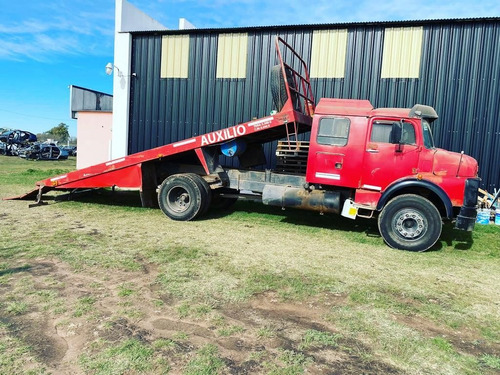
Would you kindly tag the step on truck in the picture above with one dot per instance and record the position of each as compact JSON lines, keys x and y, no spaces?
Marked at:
{"x":358,"y":161}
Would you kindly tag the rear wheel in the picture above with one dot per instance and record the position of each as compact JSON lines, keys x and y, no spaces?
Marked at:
{"x":180,"y":197}
{"x":206,"y":192}
{"x":410,"y":222}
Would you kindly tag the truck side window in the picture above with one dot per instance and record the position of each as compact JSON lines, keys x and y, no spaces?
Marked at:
{"x":408,"y":137}
{"x":333,"y":131}
{"x":381,"y":133}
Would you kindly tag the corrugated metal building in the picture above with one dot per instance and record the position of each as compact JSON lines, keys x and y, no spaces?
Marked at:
{"x":191,"y":82}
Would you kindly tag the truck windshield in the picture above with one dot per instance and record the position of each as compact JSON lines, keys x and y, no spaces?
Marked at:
{"x":428,"y":140}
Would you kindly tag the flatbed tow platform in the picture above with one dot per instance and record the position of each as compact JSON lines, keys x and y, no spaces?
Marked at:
{"x":291,"y":91}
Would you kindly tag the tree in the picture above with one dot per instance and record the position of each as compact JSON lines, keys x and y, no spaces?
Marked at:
{"x":59,"y":133}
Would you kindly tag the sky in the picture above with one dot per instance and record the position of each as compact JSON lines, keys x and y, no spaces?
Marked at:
{"x":48,"y":45}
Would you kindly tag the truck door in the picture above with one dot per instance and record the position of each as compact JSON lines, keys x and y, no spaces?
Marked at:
{"x":384,"y":162}
{"x":336,"y":150}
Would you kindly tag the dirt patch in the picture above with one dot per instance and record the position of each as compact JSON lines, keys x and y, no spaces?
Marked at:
{"x":59,"y":341}
{"x":251,"y":337}
{"x":37,"y":332}
{"x":464,"y":340}
{"x":41,"y":269}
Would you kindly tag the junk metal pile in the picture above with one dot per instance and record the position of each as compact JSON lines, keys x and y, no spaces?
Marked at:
{"x":25,"y":145}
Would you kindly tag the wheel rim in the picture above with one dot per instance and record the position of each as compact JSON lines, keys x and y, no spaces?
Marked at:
{"x":410,"y":224}
{"x":178,"y":199}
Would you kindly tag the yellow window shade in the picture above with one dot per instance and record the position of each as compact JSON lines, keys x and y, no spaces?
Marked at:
{"x":328,"y":53}
{"x":402,"y":52}
{"x":174,"y":56}
{"x":232,"y":55}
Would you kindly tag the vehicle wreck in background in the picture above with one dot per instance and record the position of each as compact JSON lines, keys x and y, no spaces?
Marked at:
{"x":43,"y":151}
{"x":12,"y":141}
{"x":24,"y":144}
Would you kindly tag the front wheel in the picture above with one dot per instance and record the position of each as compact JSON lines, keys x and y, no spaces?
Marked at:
{"x":410,"y":222}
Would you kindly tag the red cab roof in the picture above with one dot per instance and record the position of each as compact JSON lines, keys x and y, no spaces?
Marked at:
{"x":356,"y":107}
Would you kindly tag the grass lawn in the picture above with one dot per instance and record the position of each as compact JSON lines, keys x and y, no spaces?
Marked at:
{"x":100,"y":285}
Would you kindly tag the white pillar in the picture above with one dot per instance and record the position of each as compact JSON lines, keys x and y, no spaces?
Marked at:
{"x":127,"y":19}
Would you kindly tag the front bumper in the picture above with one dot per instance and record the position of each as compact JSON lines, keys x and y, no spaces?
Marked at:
{"x":466,"y":218}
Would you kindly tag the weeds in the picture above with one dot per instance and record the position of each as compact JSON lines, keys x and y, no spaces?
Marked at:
{"x":16,"y":308}
{"x":128,"y":356}
{"x":319,"y":339}
{"x":206,"y":362}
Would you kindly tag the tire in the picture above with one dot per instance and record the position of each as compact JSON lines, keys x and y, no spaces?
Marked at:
{"x":278,"y":88}
{"x":180,"y":197}
{"x":206,"y":192}
{"x":410,"y":222}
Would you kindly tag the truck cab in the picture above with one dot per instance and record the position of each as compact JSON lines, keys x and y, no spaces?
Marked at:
{"x":386,"y":153}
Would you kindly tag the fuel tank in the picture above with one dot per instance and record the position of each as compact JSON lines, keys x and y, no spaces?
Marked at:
{"x":294,"y":197}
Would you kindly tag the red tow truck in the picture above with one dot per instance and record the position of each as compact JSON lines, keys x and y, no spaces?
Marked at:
{"x":358,"y":162}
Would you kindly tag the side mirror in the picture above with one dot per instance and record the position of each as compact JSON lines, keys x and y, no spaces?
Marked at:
{"x":396,"y":133}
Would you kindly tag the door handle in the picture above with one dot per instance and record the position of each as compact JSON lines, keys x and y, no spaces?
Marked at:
{"x":372,"y":147}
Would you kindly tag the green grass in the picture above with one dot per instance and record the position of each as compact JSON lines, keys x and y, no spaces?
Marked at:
{"x":115,"y":261}
{"x":491,"y":361}
{"x":319,"y":339}
{"x":16,"y":308}
{"x":289,"y":362}
{"x":14,"y":354}
{"x":26,"y":172}
{"x":129,"y":356}
{"x":206,"y":362}
{"x":84,"y":306}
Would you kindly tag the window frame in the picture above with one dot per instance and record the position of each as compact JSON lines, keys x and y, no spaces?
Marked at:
{"x":320,"y":137}
{"x":388,"y":123}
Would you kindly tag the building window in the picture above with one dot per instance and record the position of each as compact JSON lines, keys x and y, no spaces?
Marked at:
{"x":232,"y":50}
{"x":174,"y":56}
{"x":333,"y":131}
{"x":329,"y":48}
{"x":402,"y":52}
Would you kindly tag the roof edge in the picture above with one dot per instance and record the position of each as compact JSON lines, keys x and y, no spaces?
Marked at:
{"x":327,"y":25}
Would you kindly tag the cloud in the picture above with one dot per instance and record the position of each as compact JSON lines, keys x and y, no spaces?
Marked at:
{"x":57,"y":29}
{"x":42,"y":30}
{"x":40,"y":47}
{"x":231,"y":13}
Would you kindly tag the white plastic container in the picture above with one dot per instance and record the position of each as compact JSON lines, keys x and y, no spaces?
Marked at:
{"x":497,"y":216}
{"x":483,"y":216}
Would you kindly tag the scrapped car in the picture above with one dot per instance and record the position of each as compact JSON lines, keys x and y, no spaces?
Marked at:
{"x":17,"y":137}
{"x":71,"y":150}
{"x":13,"y":141}
{"x":41,"y":151}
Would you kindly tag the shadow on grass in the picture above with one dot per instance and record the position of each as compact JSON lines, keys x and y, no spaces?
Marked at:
{"x":10,"y":271}
{"x":300,"y":217}
{"x":108,"y":197}
{"x":127,"y":198}
{"x":459,"y":240}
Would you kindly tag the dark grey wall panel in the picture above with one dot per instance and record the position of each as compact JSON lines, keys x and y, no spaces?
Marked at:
{"x":459,"y":77}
